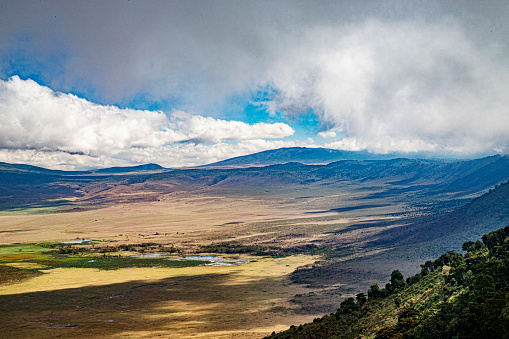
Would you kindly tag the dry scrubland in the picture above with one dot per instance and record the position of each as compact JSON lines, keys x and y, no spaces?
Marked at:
{"x":244,"y":301}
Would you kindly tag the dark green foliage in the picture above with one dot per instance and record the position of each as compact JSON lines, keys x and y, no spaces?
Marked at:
{"x":235,"y":249}
{"x":478,"y":244}
{"x":497,"y":242}
{"x":407,"y":321}
{"x":487,"y":317}
{"x":113,"y":263}
{"x":361,"y":298}
{"x":468,"y":246}
{"x":427,"y":267}
{"x":450,"y":258}
{"x":374,"y":292}
{"x":412,"y":279}
{"x":482,"y":310}
{"x":73,"y":249}
{"x":228,"y":248}
{"x":384,"y":292}
{"x":397,"y":281}
{"x":454,"y":296}
{"x":471,"y":246}
{"x":348,"y":305}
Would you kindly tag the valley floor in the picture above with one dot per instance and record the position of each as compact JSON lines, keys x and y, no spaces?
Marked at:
{"x":313,"y":255}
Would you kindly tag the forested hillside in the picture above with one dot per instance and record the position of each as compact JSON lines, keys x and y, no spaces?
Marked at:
{"x":454,"y":296}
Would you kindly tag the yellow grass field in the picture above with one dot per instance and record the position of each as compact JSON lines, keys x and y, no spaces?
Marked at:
{"x":178,"y":220}
{"x":246,"y":301}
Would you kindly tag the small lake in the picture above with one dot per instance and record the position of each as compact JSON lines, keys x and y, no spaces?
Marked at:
{"x":213,"y":261}
{"x":74,"y":241}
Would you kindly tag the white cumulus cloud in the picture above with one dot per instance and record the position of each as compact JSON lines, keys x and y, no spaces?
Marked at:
{"x":39,"y":119}
{"x":206,"y":129}
{"x":327,"y":134}
{"x":383,"y":75}
{"x":174,"y":155}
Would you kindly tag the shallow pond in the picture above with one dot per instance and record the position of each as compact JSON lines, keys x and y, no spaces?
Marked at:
{"x":213,"y":261}
{"x":74,"y":241}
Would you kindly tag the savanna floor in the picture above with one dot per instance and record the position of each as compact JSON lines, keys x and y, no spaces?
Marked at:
{"x":245,"y":301}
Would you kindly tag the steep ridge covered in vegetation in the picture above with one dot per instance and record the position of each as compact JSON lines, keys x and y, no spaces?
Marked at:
{"x":454,"y":296}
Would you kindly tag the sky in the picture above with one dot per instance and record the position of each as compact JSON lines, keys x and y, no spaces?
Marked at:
{"x":91,"y":84}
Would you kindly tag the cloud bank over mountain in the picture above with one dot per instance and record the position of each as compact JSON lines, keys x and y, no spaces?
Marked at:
{"x":378,"y":75}
{"x":406,"y":86}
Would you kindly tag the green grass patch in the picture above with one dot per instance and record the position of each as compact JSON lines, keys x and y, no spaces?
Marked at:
{"x":27,"y":210}
{"x":113,"y":263}
{"x":45,"y":208}
{"x":42,"y":254}
{"x":21,"y":249}
{"x":264,"y":251}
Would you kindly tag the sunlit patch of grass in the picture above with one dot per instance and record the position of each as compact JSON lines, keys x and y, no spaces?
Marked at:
{"x":21,"y":249}
{"x":28,"y":210}
{"x":16,"y":257}
{"x":25,"y":265}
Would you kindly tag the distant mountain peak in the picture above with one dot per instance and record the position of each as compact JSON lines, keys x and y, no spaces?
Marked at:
{"x":128,"y":169}
{"x":303,"y":155}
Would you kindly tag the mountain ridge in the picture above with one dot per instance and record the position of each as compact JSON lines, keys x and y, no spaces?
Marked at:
{"x":304,"y":155}
{"x":25,"y":184}
{"x":107,"y":170}
{"x":480,"y":215}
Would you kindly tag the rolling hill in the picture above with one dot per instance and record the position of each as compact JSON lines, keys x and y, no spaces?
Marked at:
{"x":130,"y":169}
{"x":302,"y":155}
{"x":470,"y":221}
{"x":412,"y":180}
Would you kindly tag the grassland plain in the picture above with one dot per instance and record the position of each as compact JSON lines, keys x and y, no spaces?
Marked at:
{"x":242,"y":300}
{"x":250,"y":300}
{"x":314,"y":235}
{"x":311,"y":245}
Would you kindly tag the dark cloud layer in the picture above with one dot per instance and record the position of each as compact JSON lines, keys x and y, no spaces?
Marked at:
{"x":195,"y":50}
